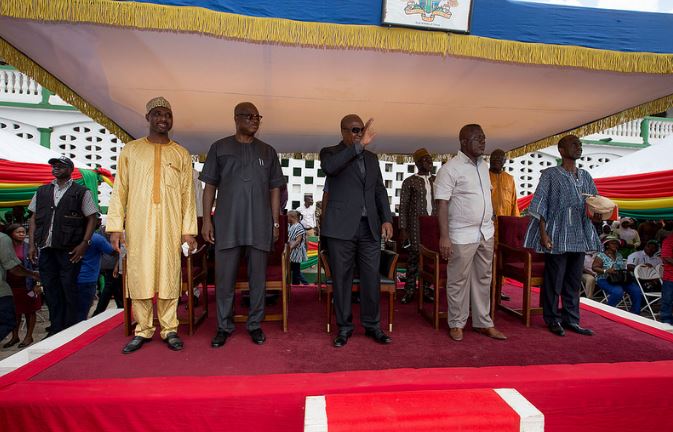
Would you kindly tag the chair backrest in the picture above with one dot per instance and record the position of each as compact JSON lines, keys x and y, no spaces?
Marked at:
{"x":395,"y":244}
{"x":641,"y":272}
{"x":429,"y":232}
{"x":324,"y":263}
{"x":388,"y":264}
{"x":512,"y":232}
{"x":396,"y":227}
{"x":276,"y":255}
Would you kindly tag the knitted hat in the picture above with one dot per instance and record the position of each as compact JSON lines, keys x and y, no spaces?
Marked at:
{"x":158,"y":102}
{"x":420,"y":154}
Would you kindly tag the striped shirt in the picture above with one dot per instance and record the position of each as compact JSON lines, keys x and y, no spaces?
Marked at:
{"x":559,"y":200}
{"x":298,"y":254}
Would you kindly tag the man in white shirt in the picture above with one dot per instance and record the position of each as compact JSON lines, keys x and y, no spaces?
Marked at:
{"x":645,"y":256}
{"x":307,"y":212}
{"x":465,"y":214}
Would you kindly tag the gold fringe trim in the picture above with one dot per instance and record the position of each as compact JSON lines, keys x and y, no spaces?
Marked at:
{"x":648,"y":108}
{"x":639,"y":111}
{"x":20,"y":61}
{"x":147,"y":16}
{"x":385,"y":157}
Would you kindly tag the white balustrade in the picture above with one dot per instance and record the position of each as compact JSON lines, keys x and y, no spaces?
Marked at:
{"x":18,"y":87}
{"x":660,"y":129}
{"x":628,"y":129}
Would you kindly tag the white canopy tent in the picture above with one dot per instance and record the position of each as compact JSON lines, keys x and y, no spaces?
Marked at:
{"x":17,"y":149}
{"x":109,"y":58}
{"x":658,"y":157}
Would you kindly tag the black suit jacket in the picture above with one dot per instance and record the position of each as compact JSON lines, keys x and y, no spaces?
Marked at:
{"x":349,"y":191}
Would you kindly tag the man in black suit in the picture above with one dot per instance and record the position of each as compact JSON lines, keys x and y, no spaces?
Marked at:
{"x":357,"y":216}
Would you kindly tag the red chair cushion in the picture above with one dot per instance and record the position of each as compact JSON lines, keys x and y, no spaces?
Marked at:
{"x":515,"y":270}
{"x":512,"y":232}
{"x":429,"y":232}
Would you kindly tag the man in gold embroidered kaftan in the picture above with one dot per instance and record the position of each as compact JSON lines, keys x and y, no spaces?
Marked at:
{"x":153,"y":203}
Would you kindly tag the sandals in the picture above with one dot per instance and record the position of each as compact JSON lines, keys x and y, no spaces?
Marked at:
{"x":11,"y":343}
{"x":25,"y":344}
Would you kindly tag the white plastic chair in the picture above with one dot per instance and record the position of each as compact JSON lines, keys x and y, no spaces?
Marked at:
{"x":643,"y":273}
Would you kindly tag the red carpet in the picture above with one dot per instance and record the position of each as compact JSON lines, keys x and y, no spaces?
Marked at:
{"x":243,"y":387}
{"x":306,"y":347}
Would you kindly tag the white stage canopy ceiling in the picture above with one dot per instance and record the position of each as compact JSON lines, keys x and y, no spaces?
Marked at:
{"x":108,"y":58}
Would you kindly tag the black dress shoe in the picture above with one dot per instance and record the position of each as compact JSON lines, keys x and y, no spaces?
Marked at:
{"x":135,"y":344}
{"x":219,"y":339}
{"x":173,"y":341}
{"x":257,"y":336}
{"x":577,"y":329}
{"x":557,"y":329}
{"x":342,"y":339}
{"x":378,"y":336}
{"x":505,"y":297}
{"x":408,"y":297}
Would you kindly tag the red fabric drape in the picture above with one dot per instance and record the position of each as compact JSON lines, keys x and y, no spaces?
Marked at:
{"x":649,"y":185}
{"x":20,"y":172}
{"x":638,"y":186}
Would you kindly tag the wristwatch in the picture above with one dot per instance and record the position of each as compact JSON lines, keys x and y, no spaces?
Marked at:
{"x":276,"y":225}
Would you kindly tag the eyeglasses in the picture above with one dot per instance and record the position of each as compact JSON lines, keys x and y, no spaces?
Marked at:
{"x":250,"y":117}
{"x":355,"y":130}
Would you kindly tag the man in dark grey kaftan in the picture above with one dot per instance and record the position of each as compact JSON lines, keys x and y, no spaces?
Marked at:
{"x":247,"y":176}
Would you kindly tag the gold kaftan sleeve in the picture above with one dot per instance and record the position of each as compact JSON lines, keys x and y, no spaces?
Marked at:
{"x":189,"y":225}
{"x":117,"y":209}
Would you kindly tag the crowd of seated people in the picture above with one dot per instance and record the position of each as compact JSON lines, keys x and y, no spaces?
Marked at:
{"x":626,"y":245}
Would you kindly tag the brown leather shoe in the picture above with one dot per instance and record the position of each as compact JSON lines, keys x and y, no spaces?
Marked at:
{"x":456,"y":333}
{"x":491,"y":332}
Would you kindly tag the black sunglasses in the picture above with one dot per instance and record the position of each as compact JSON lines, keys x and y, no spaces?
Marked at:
{"x":250,"y":117}
{"x":355,"y":130}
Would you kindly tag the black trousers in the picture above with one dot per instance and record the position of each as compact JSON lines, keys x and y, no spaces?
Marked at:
{"x":562,"y":277}
{"x":297,"y":276}
{"x":59,"y":278}
{"x":226,"y":270}
{"x":7,"y":316}
{"x":112,"y":288}
{"x":342,"y":257}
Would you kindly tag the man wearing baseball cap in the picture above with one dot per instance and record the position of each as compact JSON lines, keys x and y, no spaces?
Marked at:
{"x":153,"y":203}
{"x":62,"y":223}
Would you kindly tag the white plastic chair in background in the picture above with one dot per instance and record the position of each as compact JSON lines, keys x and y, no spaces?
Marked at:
{"x":643,"y":274}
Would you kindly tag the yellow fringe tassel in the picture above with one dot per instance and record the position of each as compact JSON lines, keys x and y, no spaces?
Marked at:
{"x":20,"y":61}
{"x":386,"y":157}
{"x":648,"y":108}
{"x":146,"y":16}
